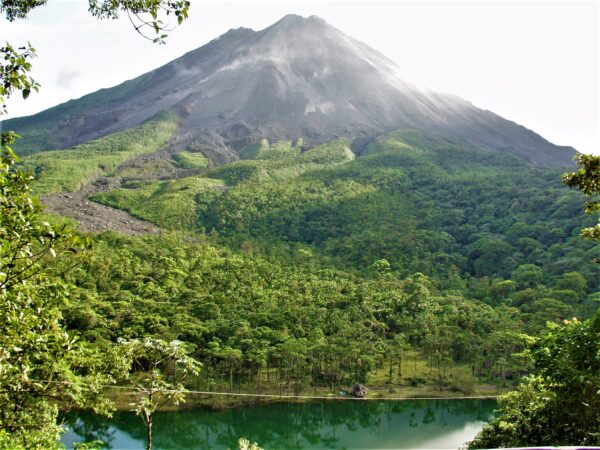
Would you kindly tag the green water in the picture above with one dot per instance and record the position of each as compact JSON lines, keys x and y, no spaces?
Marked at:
{"x":333,"y":424}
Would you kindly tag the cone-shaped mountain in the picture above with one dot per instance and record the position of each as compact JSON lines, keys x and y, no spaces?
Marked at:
{"x":298,"y":78}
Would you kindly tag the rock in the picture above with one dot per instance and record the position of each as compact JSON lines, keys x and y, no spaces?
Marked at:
{"x":360,"y":391}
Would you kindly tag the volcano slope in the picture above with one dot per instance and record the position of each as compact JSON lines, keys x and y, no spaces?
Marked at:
{"x":300,"y":78}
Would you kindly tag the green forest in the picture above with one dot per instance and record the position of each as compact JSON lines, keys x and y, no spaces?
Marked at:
{"x":299,"y":268}
{"x":422,"y":266}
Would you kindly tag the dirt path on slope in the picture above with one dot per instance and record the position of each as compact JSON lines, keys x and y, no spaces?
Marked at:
{"x":94,"y":217}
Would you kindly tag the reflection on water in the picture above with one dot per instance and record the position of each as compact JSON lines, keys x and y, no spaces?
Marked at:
{"x":332,"y":424}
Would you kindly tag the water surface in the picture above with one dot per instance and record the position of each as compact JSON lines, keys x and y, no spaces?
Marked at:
{"x":433,"y":424}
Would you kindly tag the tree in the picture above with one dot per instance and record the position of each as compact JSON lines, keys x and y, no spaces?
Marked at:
{"x":146,"y":16}
{"x":559,"y":405}
{"x":587,"y":180}
{"x":527,"y":276}
{"x":40,"y":362}
{"x":13,"y":74}
{"x":572,"y":281}
{"x":152,"y":359}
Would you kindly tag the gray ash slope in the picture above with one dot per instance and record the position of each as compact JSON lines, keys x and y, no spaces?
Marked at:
{"x":299,"y":78}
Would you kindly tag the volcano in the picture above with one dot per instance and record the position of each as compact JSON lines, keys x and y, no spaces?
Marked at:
{"x":300,"y":78}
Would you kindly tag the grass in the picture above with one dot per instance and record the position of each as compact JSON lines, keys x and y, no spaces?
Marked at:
{"x":141,"y":170}
{"x":67,"y":170}
{"x":415,"y":367}
{"x":240,"y":172}
{"x":334,"y":152}
{"x":59,"y":220}
{"x":459,"y":160}
{"x":173,"y":204}
{"x":276,"y":151}
{"x":190,"y":160}
{"x":169,"y":204}
{"x":281,"y":161}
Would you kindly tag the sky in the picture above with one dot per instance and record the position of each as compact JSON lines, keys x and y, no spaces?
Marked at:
{"x":533,"y":62}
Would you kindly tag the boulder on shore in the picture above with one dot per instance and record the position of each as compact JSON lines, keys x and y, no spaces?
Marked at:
{"x":359,"y":390}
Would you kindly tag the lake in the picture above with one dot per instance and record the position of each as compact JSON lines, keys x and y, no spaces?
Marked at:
{"x":433,"y":424}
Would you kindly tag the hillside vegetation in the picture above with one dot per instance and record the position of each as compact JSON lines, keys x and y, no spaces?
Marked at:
{"x":255,"y":320}
{"x":48,"y":129}
{"x":421,"y":202}
{"x":67,"y":170}
{"x":169,"y":204}
{"x":317,"y":268}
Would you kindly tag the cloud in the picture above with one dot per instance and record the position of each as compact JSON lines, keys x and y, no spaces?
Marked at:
{"x":66,"y":77}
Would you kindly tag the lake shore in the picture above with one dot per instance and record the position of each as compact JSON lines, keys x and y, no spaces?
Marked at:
{"x":122,"y":397}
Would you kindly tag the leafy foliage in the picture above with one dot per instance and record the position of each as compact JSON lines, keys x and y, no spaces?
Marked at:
{"x":587,"y":180}
{"x":40,"y":362}
{"x":190,"y":160}
{"x":559,"y":405}
{"x":321,"y":270}
{"x":18,"y":9}
{"x":281,"y":162}
{"x":251,"y":317}
{"x":505,"y":236}
{"x":143,"y":14}
{"x":422,"y":203}
{"x":13,"y":72}
{"x":171,"y":204}
{"x":151,"y":359}
{"x":39,"y":359}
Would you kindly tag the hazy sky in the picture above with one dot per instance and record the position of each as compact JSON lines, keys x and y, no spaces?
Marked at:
{"x":536,"y":63}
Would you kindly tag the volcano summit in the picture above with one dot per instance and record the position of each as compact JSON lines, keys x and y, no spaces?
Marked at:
{"x":298,"y":78}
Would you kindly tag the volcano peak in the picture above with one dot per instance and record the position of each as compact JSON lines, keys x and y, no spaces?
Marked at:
{"x":298,"y":78}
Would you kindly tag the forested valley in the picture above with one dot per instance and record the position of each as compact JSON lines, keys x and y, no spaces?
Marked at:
{"x":312,"y":267}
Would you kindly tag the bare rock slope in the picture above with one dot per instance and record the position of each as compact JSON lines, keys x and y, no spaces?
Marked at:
{"x":298,"y":78}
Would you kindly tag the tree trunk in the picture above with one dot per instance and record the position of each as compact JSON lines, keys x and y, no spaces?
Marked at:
{"x":400,"y":367}
{"x":149,"y":427}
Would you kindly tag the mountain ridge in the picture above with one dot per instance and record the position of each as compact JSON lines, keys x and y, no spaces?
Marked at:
{"x":298,"y":78}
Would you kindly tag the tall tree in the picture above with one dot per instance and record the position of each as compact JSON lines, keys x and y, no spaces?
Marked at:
{"x":152,"y":360}
{"x":40,"y":362}
{"x":587,"y":180}
{"x":559,"y":405}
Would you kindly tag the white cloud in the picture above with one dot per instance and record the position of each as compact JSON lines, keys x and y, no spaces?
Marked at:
{"x":66,"y":77}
